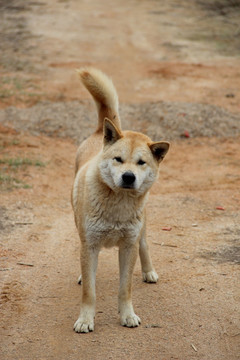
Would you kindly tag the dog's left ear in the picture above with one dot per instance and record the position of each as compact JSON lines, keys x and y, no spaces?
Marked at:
{"x":110,"y":132}
{"x":159,"y":150}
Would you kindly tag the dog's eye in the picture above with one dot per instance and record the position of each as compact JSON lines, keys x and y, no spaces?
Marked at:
{"x":141,"y":162}
{"x":118,"y":159}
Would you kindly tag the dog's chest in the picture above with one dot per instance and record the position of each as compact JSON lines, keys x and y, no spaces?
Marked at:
{"x":113,"y":218}
{"x":109,"y":234}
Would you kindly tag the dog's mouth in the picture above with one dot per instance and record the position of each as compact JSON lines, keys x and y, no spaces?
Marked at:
{"x":125,"y":186}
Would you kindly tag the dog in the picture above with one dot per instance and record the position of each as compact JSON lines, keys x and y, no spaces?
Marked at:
{"x":114,"y":172}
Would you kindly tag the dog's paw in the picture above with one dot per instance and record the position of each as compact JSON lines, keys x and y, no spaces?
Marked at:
{"x":84,"y":325}
{"x":150,"y":277}
{"x":80,"y":280}
{"x":130,"y":320}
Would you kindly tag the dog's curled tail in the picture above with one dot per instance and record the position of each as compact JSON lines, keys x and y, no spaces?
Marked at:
{"x":103,"y":92}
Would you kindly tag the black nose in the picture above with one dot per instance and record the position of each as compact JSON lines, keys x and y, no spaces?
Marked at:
{"x":128,"y":178}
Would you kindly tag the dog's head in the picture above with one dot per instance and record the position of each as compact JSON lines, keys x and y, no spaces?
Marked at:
{"x":129,"y":160}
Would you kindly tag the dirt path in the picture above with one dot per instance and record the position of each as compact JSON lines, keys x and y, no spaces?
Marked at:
{"x":174,"y":50}
{"x":194,"y":305}
{"x":193,"y":311}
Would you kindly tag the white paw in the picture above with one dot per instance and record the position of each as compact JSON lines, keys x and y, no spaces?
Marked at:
{"x":80,"y":280}
{"x":150,"y":277}
{"x":130,"y":320}
{"x":84,"y":325}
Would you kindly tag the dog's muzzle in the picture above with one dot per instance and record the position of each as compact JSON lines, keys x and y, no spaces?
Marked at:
{"x":128,"y":180}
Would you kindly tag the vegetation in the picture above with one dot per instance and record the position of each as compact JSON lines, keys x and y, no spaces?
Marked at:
{"x":9,"y":168}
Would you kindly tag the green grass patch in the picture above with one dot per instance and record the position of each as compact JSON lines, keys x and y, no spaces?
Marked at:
{"x":16,"y":162}
{"x":4,"y":144}
{"x":18,"y":87}
{"x":10,"y":167}
{"x":5,"y":93}
{"x":8,"y":182}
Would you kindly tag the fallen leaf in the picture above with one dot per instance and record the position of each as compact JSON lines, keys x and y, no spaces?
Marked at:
{"x":220,"y":208}
{"x":167,"y":228}
{"x":186,"y":134}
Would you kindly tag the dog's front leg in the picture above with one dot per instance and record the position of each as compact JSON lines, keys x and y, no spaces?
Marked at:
{"x":148,"y":272}
{"x":89,"y":260}
{"x":127,"y":260}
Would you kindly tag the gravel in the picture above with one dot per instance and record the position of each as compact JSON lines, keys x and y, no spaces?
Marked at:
{"x":159,"y":120}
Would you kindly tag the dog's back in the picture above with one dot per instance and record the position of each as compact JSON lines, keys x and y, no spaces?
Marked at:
{"x":105,"y":96}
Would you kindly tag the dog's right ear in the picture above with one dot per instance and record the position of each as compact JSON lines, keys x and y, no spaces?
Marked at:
{"x":110,"y":132}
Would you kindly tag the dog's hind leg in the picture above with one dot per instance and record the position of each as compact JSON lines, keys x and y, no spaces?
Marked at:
{"x":127,"y":260}
{"x":148,"y":273}
{"x":89,"y":260}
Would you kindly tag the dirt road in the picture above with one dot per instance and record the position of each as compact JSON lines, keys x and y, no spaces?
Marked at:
{"x":166,"y":61}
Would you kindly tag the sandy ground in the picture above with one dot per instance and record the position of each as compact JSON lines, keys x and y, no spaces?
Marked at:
{"x":173,"y":53}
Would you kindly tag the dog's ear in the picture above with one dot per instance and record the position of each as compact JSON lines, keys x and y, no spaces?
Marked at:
{"x":111,"y":132}
{"x":159,"y":150}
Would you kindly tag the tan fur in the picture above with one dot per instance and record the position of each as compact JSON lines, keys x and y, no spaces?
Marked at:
{"x":114,"y":171}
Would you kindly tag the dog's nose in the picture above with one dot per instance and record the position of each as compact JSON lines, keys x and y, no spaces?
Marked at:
{"x":128,"y":178}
